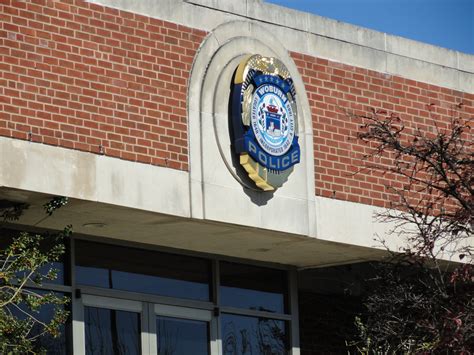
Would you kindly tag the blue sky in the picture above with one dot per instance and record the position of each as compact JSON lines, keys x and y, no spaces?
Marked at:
{"x":445,"y":23}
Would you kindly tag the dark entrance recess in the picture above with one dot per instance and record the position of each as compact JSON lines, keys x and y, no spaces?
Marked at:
{"x":329,"y":299}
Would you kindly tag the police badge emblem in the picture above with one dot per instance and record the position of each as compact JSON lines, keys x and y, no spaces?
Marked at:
{"x":264,"y":121}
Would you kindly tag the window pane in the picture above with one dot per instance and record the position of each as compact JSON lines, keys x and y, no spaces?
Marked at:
{"x":252,"y":287}
{"x":111,"y":332}
{"x":182,"y":337}
{"x":248,"y":335}
{"x":143,"y":271}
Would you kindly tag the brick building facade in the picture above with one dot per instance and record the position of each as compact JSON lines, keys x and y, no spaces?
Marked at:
{"x":123,"y":107}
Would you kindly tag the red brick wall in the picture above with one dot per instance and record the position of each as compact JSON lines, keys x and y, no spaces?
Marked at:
{"x":333,"y":88}
{"x":106,"y":81}
{"x":96,"y":79}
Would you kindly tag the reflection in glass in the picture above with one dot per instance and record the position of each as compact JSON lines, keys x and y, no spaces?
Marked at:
{"x":111,"y":332}
{"x":143,"y":271}
{"x":249,"y":336}
{"x":253,"y":287}
{"x":181,"y":336}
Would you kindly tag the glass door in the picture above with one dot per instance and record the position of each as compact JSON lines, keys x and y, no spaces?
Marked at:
{"x":184,"y":331}
{"x":109,"y":326}
{"x":115,"y":326}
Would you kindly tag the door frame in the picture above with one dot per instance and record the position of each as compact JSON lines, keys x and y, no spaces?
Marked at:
{"x":148,"y":312}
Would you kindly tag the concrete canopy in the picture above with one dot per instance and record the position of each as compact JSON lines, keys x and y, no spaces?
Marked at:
{"x":92,"y":219}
